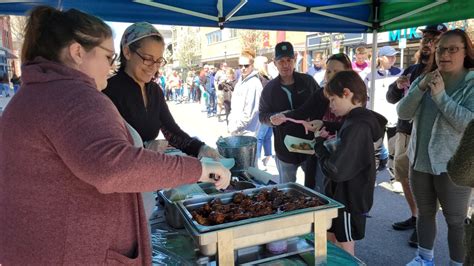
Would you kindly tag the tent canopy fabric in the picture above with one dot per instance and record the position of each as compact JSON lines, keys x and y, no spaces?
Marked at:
{"x":294,"y":15}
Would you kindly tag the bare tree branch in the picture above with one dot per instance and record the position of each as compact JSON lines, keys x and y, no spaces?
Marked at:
{"x":251,"y":39}
{"x":187,"y":47}
{"x":18,"y":25}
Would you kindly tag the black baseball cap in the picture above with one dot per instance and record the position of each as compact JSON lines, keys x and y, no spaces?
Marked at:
{"x":435,"y":28}
{"x":284,"y":49}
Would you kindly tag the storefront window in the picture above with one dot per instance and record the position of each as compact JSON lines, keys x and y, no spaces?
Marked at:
{"x":213,"y":37}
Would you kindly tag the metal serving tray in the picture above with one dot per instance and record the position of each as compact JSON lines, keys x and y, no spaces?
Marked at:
{"x":188,"y":205}
{"x":258,"y":230}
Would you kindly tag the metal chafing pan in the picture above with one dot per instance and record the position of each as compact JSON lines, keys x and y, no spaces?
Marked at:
{"x":206,"y":236}
{"x":187,"y":206}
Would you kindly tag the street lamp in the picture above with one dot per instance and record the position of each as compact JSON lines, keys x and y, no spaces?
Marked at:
{"x":225,"y":54}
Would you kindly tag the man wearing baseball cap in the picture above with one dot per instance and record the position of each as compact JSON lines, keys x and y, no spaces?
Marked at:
{"x":396,"y":91}
{"x":288,"y":91}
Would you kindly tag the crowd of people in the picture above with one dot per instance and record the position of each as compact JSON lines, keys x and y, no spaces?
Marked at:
{"x":88,"y":157}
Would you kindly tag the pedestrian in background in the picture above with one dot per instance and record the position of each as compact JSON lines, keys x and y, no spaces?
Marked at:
{"x":385,"y":74}
{"x":190,"y":86}
{"x":360,"y":64}
{"x":227,"y":88}
{"x":318,"y":68}
{"x":243,"y":118}
{"x":16,"y":81}
{"x":265,"y":133}
{"x":4,"y":86}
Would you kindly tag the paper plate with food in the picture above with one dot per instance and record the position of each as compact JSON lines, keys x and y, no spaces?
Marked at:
{"x":294,"y":144}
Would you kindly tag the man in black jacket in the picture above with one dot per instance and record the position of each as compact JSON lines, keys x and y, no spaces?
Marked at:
{"x":395,"y":93}
{"x":286,"y":92}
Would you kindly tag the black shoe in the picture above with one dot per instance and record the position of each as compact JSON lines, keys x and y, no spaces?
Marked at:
{"x":382,"y":164}
{"x":410,"y":223}
{"x":413,"y":241}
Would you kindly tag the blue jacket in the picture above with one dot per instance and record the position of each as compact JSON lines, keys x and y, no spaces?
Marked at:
{"x":454,"y":114}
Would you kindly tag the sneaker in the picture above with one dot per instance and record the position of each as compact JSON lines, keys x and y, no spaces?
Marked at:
{"x":413,"y":241}
{"x":397,"y":187}
{"x":391,"y":171}
{"x":409,"y":223}
{"x":266,"y":159}
{"x":419,"y":261}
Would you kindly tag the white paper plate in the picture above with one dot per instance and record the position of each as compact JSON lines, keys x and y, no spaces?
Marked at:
{"x":289,"y":140}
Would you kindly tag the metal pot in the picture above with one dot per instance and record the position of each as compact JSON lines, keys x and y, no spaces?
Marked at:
{"x":242,"y":148}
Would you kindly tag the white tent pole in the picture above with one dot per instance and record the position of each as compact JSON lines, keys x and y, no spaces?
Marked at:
{"x":401,"y":58}
{"x":235,"y":9}
{"x":176,"y":9}
{"x":373,"y":68}
{"x":220,"y":8}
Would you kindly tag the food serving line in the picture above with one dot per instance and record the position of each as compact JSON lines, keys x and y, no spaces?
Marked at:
{"x":296,"y":227}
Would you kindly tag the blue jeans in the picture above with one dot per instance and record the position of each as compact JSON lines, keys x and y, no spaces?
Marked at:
{"x":211,"y":107}
{"x":5,"y":87}
{"x":287,"y":171}
{"x":16,"y":88}
{"x":264,"y":139}
{"x":320,"y":179}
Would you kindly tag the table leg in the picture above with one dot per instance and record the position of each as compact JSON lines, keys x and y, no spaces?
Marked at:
{"x":225,"y":247}
{"x":320,"y":238}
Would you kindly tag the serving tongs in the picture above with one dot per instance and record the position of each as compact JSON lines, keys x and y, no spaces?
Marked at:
{"x":307,"y":125}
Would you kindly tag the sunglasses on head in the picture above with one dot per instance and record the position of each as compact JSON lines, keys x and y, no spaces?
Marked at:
{"x":341,"y":57}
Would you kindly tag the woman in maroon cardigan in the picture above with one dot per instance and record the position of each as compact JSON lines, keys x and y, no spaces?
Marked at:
{"x":70,"y":176}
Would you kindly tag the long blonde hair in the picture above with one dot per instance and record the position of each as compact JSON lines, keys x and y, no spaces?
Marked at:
{"x":260,"y":64}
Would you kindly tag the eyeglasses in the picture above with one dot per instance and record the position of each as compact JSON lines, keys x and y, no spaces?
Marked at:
{"x":161,"y":62}
{"x":427,"y":40}
{"x":451,"y":49}
{"x":245,"y":66}
{"x":112,"y":58}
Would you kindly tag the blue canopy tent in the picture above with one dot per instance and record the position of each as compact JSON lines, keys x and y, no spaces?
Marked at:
{"x":292,"y":15}
{"x":351,"y":16}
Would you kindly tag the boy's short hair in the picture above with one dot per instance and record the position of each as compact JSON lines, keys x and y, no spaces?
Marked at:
{"x":352,"y":81}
